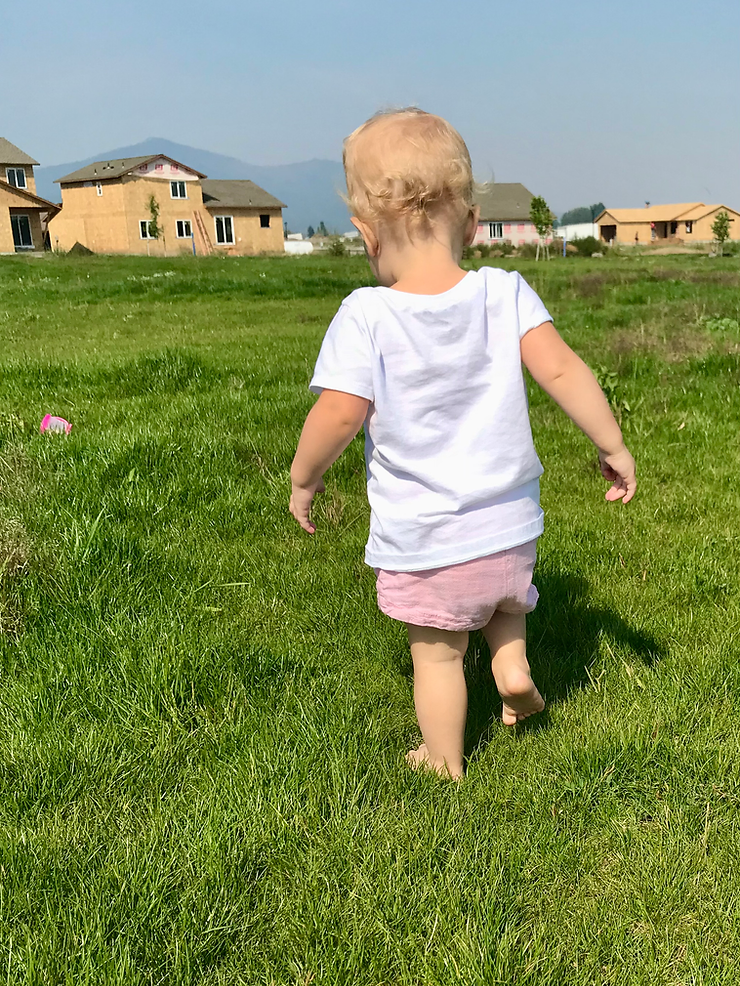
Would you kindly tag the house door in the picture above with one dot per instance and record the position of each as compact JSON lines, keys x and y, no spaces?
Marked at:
{"x":21,"y":232}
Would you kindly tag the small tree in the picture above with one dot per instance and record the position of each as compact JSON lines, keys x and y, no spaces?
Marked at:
{"x":154,"y":229}
{"x":310,"y":232}
{"x":323,"y":231}
{"x":542,"y":220}
{"x":721,"y":230}
{"x":337,"y":247}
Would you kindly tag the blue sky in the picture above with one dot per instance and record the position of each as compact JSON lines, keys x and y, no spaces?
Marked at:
{"x":580,"y":100}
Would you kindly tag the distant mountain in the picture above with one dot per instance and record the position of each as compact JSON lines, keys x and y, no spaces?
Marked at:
{"x":309,"y":188}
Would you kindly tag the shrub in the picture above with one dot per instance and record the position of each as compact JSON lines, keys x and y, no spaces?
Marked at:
{"x":337,"y":248}
{"x":589,"y":245}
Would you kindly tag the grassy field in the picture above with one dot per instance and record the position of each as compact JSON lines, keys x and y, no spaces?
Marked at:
{"x":203,"y":716}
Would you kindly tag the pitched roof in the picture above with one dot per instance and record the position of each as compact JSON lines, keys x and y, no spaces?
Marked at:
{"x":702,"y":210}
{"x":222,"y":193}
{"x":503,"y":200}
{"x":652,"y":213}
{"x":10,"y":154}
{"x":102,"y":170}
{"x":35,"y":200}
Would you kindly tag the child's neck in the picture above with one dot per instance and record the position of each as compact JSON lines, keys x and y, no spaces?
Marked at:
{"x":421,"y":266}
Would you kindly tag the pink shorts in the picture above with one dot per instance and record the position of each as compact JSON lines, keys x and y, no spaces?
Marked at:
{"x":464,"y":596}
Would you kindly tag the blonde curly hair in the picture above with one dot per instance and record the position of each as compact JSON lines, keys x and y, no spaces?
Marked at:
{"x":408,"y":166}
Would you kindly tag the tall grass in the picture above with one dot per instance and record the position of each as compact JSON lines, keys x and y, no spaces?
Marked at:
{"x":203,"y":716}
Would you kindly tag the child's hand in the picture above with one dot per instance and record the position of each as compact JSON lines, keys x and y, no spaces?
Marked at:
{"x":300,"y":504}
{"x":619,"y":469}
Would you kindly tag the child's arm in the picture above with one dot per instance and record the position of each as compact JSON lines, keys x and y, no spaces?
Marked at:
{"x":570,"y":383}
{"x":332,"y":423}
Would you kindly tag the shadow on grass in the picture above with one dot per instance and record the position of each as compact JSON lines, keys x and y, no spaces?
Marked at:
{"x":563,"y":636}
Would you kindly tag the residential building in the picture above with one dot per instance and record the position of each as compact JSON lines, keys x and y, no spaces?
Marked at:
{"x":504,"y":214}
{"x":23,"y":214}
{"x":686,"y":222}
{"x":109,"y":207}
{"x":244,"y":217}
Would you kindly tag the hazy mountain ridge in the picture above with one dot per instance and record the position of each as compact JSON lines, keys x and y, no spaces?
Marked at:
{"x":310,"y":189}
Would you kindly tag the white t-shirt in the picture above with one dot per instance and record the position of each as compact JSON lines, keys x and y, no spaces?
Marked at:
{"x":452,"y":473}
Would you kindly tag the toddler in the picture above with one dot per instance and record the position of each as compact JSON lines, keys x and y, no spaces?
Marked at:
{"x":430,"y":361}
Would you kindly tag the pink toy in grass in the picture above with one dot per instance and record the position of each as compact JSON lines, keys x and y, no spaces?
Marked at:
{"x":55,"y":426}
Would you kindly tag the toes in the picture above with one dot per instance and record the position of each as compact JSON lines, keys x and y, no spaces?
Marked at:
{"x":415,"y":758}
{"x":511,"y":716}
{"x":419,"y":759}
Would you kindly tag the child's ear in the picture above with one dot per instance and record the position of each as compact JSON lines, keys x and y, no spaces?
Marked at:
{"x":368,"y":235}
{"x":471,"y":226}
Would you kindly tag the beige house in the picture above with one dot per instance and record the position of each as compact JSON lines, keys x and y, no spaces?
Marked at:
{"x":244,"y":217}
{"x":23,"y":215}
{"x":108,"y":207}
{"x":687,"y":222}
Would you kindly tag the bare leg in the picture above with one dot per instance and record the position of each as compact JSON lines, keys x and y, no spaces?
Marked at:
{"x":505,"y":634}
{"x":440,"y":697}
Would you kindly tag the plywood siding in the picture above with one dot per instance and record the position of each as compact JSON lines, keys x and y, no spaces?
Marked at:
{"x":702,"y":229}
{"x":15,"y":203}
{"x":30,"y":178}
{"x":6,"y":231}
{"x":110,"y":223}
{"x":250,"y":238}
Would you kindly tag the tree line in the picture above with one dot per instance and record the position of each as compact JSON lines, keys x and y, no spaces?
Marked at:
{"x":583,"y":214}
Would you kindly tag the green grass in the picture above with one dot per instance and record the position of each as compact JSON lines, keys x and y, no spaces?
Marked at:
{"x":203,"y":716}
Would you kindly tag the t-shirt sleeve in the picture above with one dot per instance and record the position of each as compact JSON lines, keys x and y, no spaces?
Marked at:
{"x":345,"y":359}
{"x":529,"y":307}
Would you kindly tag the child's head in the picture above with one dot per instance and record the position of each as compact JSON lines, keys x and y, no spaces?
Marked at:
{"x":411,"y":169}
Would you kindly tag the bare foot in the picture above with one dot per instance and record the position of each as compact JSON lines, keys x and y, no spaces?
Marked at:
{"x":419,"y":759}
{"x":520,"y":698}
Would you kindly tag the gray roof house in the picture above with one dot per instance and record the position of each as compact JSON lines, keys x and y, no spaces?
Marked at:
{"x":107,"y":209}
{"x":504,"y":213}
{"x":23,"y":214}
{"x":245,"y":217}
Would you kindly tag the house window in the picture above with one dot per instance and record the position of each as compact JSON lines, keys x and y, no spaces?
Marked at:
{"x":178,"y":190}
{"x":507,"y":227}
{"x":16,"y":177}
{"x":520,"y":229}
{"x":99,"y":188}
{"x":183,"y":229}
{"x":144,"y":231}
{"x":21,"y":226}
{"x":224,"y":229}
{"x":496,"y":231}
{"x":689,"y":226}
{"x":264,"y":222}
